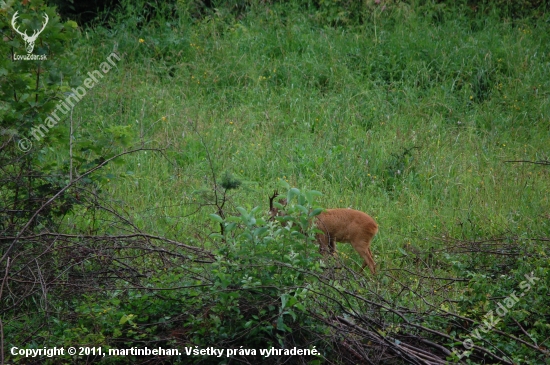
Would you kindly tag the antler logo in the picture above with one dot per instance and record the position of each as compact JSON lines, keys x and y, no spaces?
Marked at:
{"x":29,"y":40}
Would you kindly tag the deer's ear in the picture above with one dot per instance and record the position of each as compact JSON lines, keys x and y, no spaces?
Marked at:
{"x":272,"y":209}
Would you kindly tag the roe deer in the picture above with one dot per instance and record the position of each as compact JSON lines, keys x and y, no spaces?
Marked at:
{"x":347,"y":226}
{"x":342,"y":225}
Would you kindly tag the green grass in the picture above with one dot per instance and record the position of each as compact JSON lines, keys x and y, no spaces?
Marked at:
{"x":335,"y":110}
{"x":408,"y":120}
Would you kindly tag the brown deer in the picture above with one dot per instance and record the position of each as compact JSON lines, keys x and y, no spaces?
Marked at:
{"x":342,"y":225}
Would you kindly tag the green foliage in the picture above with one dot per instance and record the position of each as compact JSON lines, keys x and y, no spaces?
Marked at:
{"x":499,"y":301}
{"x":329,"y":95}
{"x":29,"y":89}
{"x":229,"y":182}
{"x":510,"y":9}
{"x":255,"y":294}
{"x":258,"y":279}
{"x":399,"y":169}
{"x":29,"y":92}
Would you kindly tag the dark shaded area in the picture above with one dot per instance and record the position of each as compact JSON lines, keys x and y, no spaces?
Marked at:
{"x":337,"y":13}
{"x":85,"y":12}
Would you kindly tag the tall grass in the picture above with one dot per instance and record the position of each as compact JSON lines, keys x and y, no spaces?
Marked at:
{"x":409,"y":120}
{"x":417,"y":117}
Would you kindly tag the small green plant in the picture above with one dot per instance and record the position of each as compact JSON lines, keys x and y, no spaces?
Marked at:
{"x":260,"y":274}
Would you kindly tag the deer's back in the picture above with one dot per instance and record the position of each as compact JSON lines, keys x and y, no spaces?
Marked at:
{"x":344,"y":225}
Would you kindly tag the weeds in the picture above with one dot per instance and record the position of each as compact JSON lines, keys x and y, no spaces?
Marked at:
{"x":338,"y":104}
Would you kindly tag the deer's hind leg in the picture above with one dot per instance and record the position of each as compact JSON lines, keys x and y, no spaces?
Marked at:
{"x":363,"y":249}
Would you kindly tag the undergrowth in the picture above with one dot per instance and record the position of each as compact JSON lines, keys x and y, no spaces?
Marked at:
{"x":430,"y":118}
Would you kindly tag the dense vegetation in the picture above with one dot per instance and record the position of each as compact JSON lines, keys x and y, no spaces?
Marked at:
{"x":140,"y":218}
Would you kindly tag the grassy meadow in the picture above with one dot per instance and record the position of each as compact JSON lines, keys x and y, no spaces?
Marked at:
{"x":410,"y":121}
{"x":436,"y":126}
